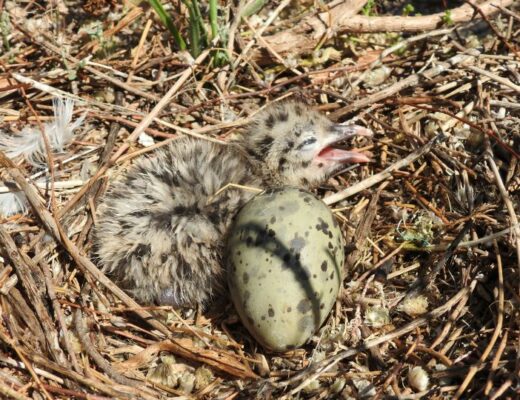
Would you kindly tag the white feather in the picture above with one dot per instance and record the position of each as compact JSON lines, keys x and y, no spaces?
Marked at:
{"x":12,"y":203}
{"x":30,"y":144}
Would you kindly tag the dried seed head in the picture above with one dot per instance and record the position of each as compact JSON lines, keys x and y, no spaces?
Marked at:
{"x":418,"y":379}
{"x":414,"y":306}
{"x":377,"y":317}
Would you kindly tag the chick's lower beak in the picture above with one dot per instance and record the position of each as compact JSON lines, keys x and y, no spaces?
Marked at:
{"x":339,"y":133}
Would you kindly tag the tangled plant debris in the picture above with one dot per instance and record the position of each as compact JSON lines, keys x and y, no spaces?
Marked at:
{"x":437,"y":209}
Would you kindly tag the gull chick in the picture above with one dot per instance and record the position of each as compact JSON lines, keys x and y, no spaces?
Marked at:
{"x":162,"y":225}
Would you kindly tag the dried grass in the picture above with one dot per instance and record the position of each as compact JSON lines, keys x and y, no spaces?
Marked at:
{"x":433,"y":272}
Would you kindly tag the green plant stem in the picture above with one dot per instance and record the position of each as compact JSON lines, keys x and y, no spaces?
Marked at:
{"x":194,"y":30}
{"x":168,"y":22}
{"x":213,"y":18}
{"x":202,"y":28}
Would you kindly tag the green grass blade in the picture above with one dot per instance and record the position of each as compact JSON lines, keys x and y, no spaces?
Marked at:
{"x":253,"y":7}
{"x":200,"y":22}
{"x":213,"y":18}
{"x":193,"y":30}
{"x":168,"y":22}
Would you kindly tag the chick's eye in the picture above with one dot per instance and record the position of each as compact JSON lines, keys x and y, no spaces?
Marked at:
{"x":306,"y":143}
{"x":309,"y":141}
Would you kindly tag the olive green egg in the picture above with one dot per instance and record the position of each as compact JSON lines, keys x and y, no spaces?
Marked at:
{"x":284,"y":257}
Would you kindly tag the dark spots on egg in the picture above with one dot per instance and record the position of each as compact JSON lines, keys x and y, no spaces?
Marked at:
{"x":261,"y":239}
{"x":304,"y":306}
{"x":295,"y":260}
{"x":303,"y":275}
{"x":247,"y":295}
{"x":324,"y":266}
{"x":323,"y":227}
{"x":330,"y":246}
{"x":245,"y":278}
{"x":164,"y":257}
{"x":297,"y":243}
{"x":331,"y":275}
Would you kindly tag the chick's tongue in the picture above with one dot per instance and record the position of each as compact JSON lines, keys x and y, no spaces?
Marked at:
{"x":338,"y":155}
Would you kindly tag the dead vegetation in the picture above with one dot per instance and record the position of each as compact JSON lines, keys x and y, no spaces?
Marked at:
{"x":431,"y":293}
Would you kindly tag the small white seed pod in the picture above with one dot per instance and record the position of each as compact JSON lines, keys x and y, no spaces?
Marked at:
{"x":418,"y":379}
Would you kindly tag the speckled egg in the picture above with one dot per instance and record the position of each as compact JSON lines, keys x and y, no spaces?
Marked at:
{"x":284,"y":264}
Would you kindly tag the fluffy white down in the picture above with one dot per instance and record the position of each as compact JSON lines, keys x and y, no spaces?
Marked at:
{"x":12,"y":203}
{"x":29,"y":143}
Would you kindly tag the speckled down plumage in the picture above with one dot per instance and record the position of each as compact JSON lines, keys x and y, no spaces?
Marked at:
{"x":161,"y":227}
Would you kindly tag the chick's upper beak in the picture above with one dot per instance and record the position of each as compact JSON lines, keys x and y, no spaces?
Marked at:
{"x":347,"y":130}
{"x":340,"y":132}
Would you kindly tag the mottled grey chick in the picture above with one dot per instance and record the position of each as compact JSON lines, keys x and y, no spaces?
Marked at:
{"x":161,"y":227}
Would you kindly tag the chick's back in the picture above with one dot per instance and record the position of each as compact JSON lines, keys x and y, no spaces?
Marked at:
{"x":161,"y":224}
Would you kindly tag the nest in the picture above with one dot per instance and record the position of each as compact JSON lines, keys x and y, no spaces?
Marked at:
{"x":429,"y":303}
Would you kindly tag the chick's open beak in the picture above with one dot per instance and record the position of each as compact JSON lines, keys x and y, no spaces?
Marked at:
{"x":339,"y":133}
